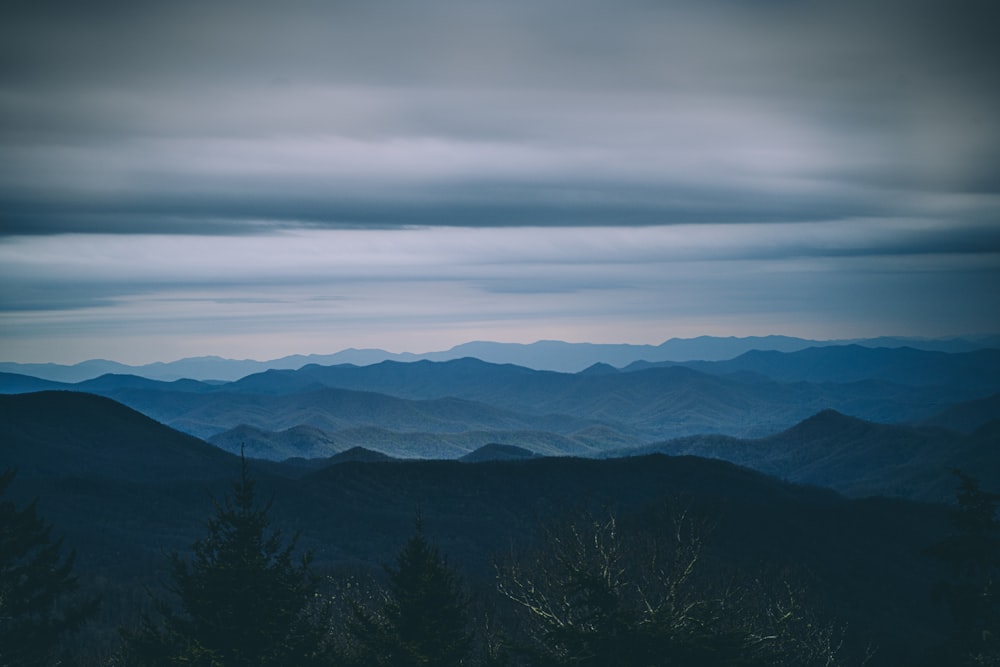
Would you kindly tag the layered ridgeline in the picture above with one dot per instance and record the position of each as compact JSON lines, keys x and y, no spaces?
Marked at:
{"x":126,"y":467}
{"x":126,"y":490}
{"x":449,"y":409}
{"x":542,"y":355}
{"x":856,"y":457}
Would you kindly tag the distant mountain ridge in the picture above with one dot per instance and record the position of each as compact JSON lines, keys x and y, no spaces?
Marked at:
{"x":427,"y":409}
{"x":57,"y":433}
{"x":541,"y":355}
{"x":854,"y":363}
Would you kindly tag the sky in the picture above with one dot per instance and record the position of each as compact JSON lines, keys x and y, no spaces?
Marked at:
{"x":256,"y":179}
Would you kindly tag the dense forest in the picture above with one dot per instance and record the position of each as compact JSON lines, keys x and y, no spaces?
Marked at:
{"x":667,"y":580}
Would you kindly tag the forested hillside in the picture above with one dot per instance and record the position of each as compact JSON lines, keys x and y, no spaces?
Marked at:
{"x":858,"y":564}
{"x":532,"y":483}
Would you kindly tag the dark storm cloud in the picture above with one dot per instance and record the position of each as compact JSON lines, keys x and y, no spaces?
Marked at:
{"x":223,"y":117}
{"x":466,"y":205}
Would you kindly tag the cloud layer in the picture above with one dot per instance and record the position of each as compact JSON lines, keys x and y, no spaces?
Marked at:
{"x":529,"y":169}
{"x":153,"y":117}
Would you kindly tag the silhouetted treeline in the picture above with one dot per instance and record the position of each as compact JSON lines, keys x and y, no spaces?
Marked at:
{"x":37,"y":585}
{"x":661,"y":583}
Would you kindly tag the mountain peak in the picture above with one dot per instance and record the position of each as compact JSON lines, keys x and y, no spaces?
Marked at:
{"x":825,"y":422}
{"x":600,"y":368}
{"x":497,"y":452}
{"x":359,"y":454}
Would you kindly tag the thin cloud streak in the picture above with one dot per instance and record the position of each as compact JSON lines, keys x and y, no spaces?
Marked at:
{"x":301,"y":256}
{"x":438,"y":284}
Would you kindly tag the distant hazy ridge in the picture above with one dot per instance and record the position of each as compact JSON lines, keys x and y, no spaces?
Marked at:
{"x":542,"y":355}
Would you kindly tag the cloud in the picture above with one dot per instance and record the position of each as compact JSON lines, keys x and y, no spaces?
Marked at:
{"x":170,"y":118}
{"x":140,"y":297}
{"x":262,"y":175}
{"x":445,"y":269}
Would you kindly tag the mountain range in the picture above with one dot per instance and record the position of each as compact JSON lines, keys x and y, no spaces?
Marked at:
{"x":426,"y":409}
{"x":542,"y":355}
{"x":809,"y":460}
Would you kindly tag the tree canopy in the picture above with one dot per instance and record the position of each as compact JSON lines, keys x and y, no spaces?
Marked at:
{"x":244,"y":599}
{"x":424,"y":620}
{"x":36,"y":586}
{"x":972,"y":590}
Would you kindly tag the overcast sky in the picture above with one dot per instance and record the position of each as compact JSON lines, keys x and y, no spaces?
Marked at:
{"x":255,"y":179}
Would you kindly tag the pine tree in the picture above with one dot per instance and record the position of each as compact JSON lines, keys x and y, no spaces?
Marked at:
{"x":972,"y":592}
{"x":425,"y":619}
{"x":35,"y":584}
{"x":244,"y":600}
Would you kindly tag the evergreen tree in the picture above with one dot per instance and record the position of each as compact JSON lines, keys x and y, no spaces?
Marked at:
{"x":244,"y":600}
{"x":425,"y":620}
{"x":35,"y":582}
{"x":972,"y":592}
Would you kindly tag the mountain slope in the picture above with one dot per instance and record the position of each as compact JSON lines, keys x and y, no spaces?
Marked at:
{"x":853,"y":456}
{"x":299,"y":441}
{"x":967,"y":416}
{"x":12,"y":383}
{"x":15,"y":383}
{"x":116,"y":382}
{"x":57,"y":433}
{"x":498,"y":452}
{"x":333,"y":410}
{"x":358,"y":455}
{"x":309,"y":442}
{"x":657,"y":402}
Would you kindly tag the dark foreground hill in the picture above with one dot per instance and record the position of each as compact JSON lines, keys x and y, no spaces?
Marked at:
{"x":860,"y":560}
{"x":55,"y":433}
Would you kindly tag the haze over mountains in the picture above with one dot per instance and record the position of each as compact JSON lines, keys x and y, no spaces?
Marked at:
{"x":862,"y":420}
{"x":541,"y":355}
